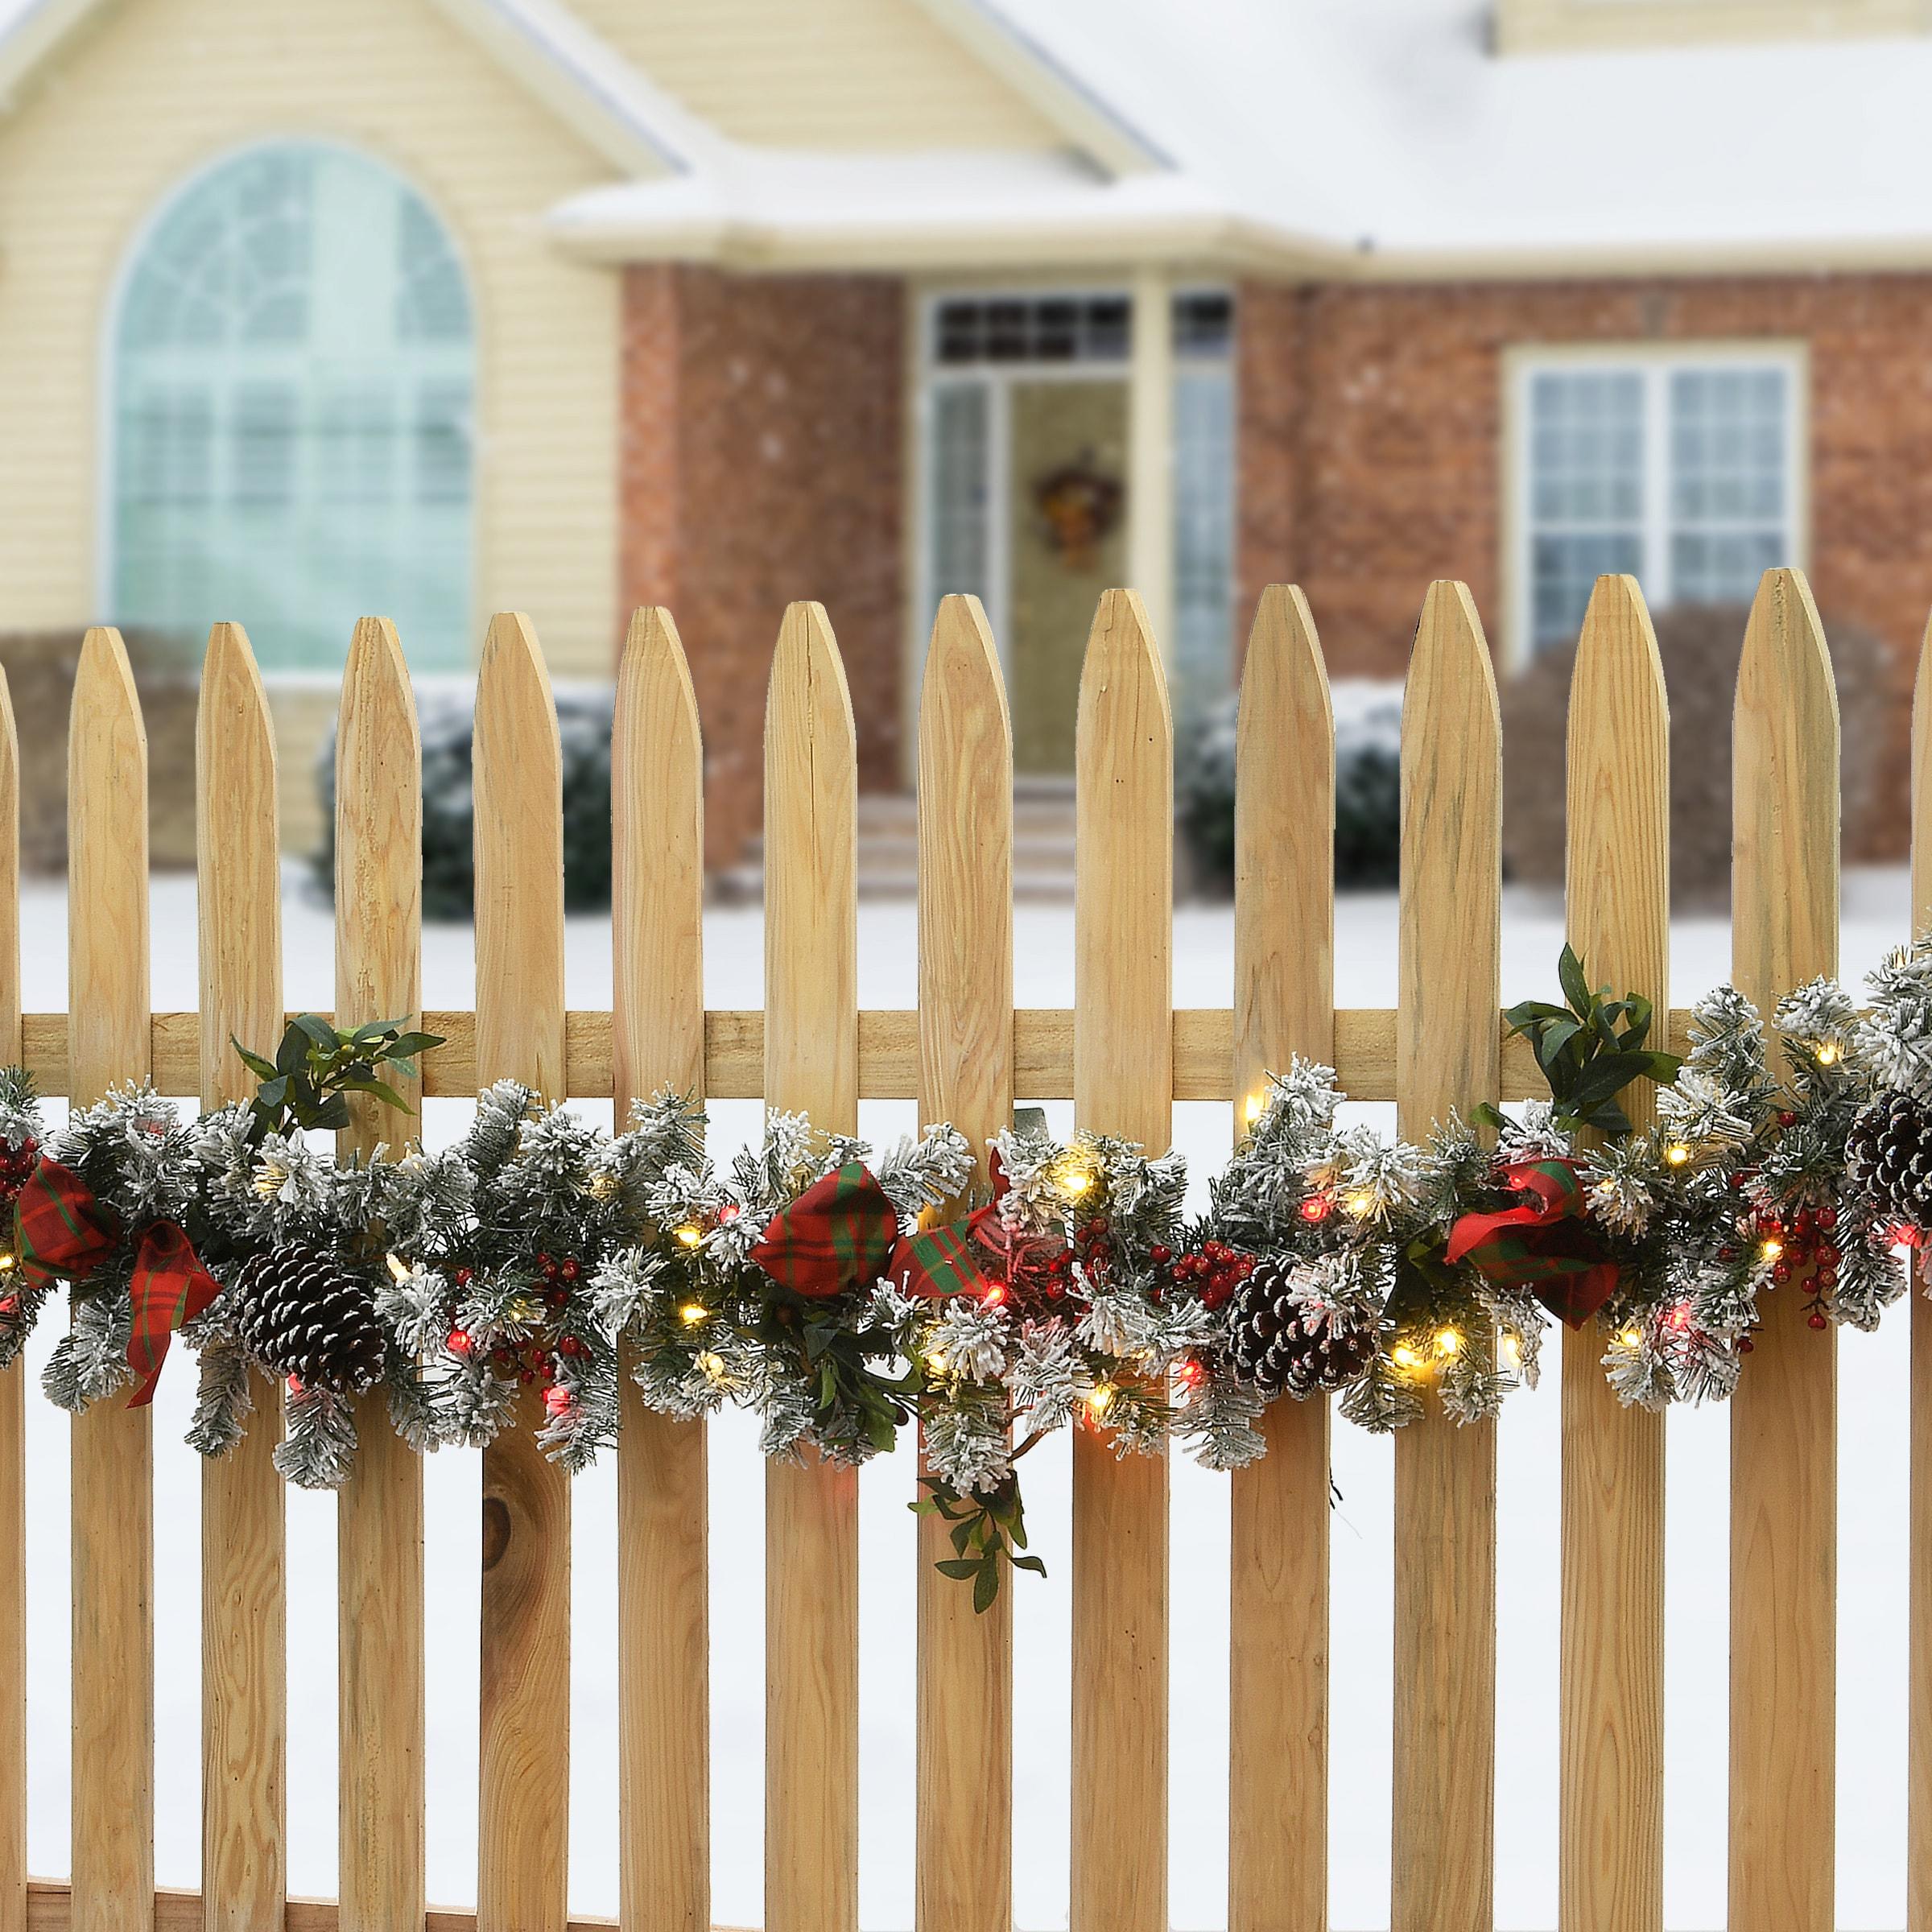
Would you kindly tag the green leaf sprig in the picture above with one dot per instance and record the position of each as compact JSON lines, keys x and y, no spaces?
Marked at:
{"x":318,"y":1065}
{"x":1590,"y":1049}
{"x":987,"y":1529}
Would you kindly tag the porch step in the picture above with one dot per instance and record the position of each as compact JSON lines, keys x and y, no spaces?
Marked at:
{"x":889,"y":849}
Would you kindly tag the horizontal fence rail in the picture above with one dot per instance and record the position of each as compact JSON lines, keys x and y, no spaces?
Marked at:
{"x":1124,"y":1055}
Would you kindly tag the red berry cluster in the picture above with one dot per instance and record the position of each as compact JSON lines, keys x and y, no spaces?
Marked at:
{"x":534,"y":1360}
{"x":1214,"y":1271}
{"x":17,"y":1165}
{"x":1807,"y":1249}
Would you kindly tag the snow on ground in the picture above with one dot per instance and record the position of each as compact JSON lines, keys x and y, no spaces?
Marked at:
{"x":1872,"y":1573}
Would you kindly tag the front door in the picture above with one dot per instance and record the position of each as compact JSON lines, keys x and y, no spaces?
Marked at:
{"x":1067,"y":542}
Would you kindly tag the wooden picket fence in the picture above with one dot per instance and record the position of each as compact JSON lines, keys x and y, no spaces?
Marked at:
{"x":1124,"y":1055}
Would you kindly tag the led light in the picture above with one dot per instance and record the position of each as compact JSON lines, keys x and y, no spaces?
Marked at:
{"x":1358,"y":1205}
{"x":993,"y":1296}
{"x":1253,"y":1108}
{"x":690,"y":1234}
{"x":398,"y":1266}
{"x":1680,"y":1315}
{"x":1630,"y":1336}
{"x":1448,"y":1342}
{"x":1677,"y":1154}
{"x":713,"y":1365}
{"x":1770,"y":1248}
{"x":694,"y":1315}
{"x":1075,"y":1181}
{"x":1512,"y":1350}
{"x":1100,"y":1399}
{"x":1828,"y":1054}
{"x":1406,"y":1357}
{"x":1317,"y":1207}
{"x":936,"y":1361}
{"x":8,"y":1261}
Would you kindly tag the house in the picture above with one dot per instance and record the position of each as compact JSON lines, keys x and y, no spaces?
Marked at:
{"x":309,"y":307}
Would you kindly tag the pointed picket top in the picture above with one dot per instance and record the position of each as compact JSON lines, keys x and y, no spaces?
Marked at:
{"x":238,"y":858}
{"x":519,"y":863}
{"x":1284,"y":848}
{"x":657,"y":866}
{"x":812,"y":1054}
{"x":1450,"y":892}
{"x":1618,"y":812}
{"x":965,"y":896}
{"x":1124,"y":880}
{"x":107,"y":873}
{"x":1785,"y":776}
{"x":10,"y":879}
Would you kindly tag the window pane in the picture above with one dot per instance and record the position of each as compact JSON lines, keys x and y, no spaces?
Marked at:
{"x":293,"y":381}
{"x":1204,"y":545}
{"x":959,"y":479}
{"x":1729,"y":488}
{"x":1585,"y":490}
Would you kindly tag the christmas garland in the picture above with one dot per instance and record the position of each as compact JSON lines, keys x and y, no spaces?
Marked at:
{"x":518,"y":1274}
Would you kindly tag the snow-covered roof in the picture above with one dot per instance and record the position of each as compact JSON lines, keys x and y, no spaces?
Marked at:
{"x":1333,"y":137}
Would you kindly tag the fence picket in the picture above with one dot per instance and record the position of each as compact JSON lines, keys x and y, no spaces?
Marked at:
{"x":523,"y":1857}
{"x":113,"y":1469}
{"x":244,"y":1613}
{"x":1284,"y":1004}
{"x":13,"y":1393}
{"x":964,"y":1864}
{"x":1918,"y":1635}
{"x":663,"y":1664}
{"x":1446,"y":1055}
{"x":379,"y":1512}
{"x":811,"y":1063}
{"x":1618,"y":893}
{"x":1784,"y":1515}
{"x":1123,"y":1083}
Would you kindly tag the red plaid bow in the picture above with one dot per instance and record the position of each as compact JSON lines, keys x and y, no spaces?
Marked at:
{"x":1544,"y":1245}
{"x":61,"y":1230}
{"x":838,"y":1234}
{"x":935,"y":1262}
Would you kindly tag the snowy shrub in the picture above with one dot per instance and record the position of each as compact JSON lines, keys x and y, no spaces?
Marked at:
{"x":1367,"y":728}
{"x":448,"y":869}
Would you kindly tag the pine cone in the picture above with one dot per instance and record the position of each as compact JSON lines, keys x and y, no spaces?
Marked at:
{"x":1284,"y":1350}
{"x":1889,"y":1151}
{"x":299,"y":1312}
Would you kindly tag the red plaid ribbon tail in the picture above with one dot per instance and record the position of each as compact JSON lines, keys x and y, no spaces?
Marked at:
{"x":839,"y":1233}
{"x":60,"y":1228}
{"x":1544,"y":1245}
{"x":170,"y":1287}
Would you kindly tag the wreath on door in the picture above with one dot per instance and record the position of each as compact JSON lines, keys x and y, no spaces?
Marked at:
{"x":1079,"y":505}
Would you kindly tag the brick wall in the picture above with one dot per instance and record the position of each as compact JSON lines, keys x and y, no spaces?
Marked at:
{"x":1371,"y":457}
{"x":762,"y":460}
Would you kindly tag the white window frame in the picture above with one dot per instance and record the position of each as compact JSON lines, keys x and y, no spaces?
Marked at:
{"x":1655,"y":362}
{"x":929,"y":375}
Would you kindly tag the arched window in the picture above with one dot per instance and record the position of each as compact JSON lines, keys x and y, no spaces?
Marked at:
{"x":293,"y":370}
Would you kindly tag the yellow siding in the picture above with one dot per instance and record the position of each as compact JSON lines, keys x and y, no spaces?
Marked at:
{"x":153,"y":90}
{"x":829,"y":74}
{"x":1535,"y":26}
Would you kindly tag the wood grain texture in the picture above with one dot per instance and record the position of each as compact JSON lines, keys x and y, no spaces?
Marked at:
{"x":1784,"y":1416}
{"x":524,"y":1816}
{"x":113,"y":1469}
{"x":13,"y":1395}
{"x":964,"y":1871}
{"x":664,"y":1609}
{"x":1445,"y":1476}
{"x":379,"y":1625}
{"x":1918,"y":1637}
{"x":1284,"y":1004}
{"x":244,"y":1597}
{"x":811,"y":1063}
{"x":1122,"y":1081}
{"x":889,"y":1053}
{"x":1611,"y":1865}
